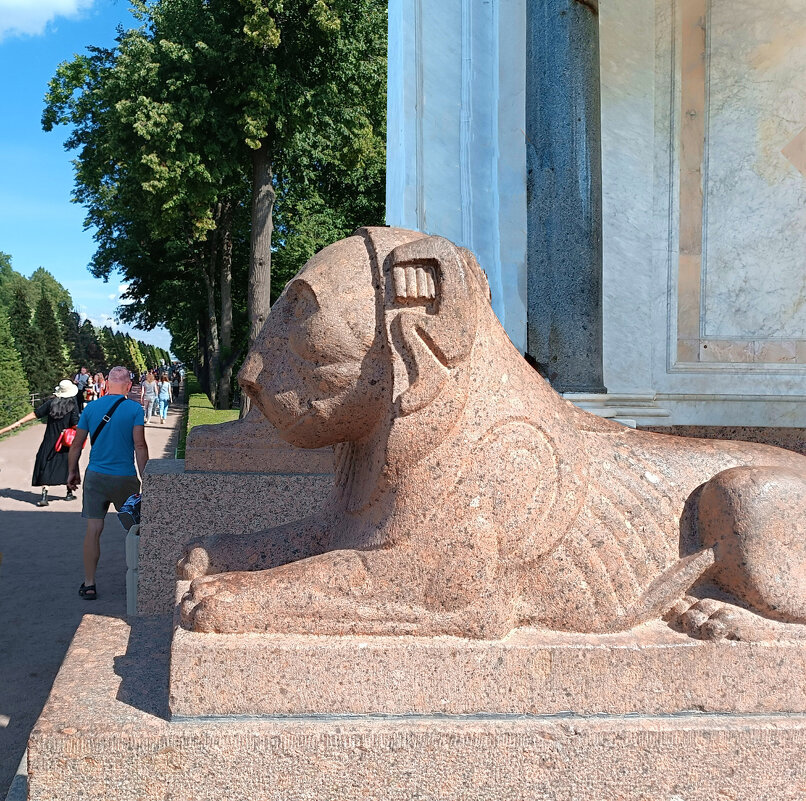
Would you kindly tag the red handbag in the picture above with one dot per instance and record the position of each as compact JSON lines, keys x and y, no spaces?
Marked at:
{"x":65,"y":440}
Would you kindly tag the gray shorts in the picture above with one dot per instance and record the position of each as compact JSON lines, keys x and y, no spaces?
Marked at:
{"x":100,"y":490}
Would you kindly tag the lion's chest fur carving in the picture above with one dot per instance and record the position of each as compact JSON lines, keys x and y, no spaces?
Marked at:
{"x":469,"y":497}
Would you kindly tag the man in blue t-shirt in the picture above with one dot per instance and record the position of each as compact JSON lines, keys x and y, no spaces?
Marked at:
{"x":117,"y":428}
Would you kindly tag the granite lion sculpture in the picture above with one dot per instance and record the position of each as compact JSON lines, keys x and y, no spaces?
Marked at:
{"x":469,"y":497}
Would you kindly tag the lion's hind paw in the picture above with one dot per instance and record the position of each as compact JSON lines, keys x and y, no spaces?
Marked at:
{"x":709,"y":619}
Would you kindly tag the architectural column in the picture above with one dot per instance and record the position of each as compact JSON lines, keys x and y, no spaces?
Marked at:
{"x":564,"y":193}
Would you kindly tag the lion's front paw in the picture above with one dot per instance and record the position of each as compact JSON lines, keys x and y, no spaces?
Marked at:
{"x":204,"y":605}
{"x":195,"y":563}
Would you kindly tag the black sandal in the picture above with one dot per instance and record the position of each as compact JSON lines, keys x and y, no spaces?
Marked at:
{"x":88,"y":593}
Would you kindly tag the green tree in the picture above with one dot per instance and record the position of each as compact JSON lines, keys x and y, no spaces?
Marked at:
{"x":123,"y":356}
{"x":70,"y":322}
{"x":10,"y":279}
{"x":45,"y":322}
{"x":136,"y":358}
{"x":14,"y":393}
{"x":90,"y":350}
{"x":43,"y":281}
{"x":107,"y":340}
{"x":30,"y":344}
{"x":190,"y":131}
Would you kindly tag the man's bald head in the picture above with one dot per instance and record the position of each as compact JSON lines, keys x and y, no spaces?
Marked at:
{"x":118,"y":376}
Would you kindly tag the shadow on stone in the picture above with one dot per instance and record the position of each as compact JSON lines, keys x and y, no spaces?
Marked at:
{"x":144,"y":667}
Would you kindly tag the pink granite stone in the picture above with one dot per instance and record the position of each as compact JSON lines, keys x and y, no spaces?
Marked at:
{"x":793,"y":439}
{"x":470,"y":498}
{"x":103,"y":734}
{"x":251,"y":445}
{"x":181,"y":506}
{"x":648,"y":670}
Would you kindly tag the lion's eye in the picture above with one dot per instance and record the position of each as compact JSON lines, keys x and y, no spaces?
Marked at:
{"x":299,"y":311}
{"x":300,"y":302}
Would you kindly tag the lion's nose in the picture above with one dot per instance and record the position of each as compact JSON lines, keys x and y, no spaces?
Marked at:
{"x":250,"y":373}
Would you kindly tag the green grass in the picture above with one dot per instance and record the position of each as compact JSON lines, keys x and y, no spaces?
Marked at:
{"x":199,"y":412}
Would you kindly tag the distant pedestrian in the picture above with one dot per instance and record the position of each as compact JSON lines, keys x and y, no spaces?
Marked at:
{"x":165,"y":396}
{"x":60,"y":413}
{"x":82,"y":381}
{"x":115,"y":425}
{"x":98,"y":386}
{"x":149,"y":395}
{"x":175,"y":381}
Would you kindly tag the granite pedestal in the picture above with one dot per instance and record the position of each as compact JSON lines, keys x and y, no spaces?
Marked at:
{"x":106,"y":730}
{"x":180,"y":505}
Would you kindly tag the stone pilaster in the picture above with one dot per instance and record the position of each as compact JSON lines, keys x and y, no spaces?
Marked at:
{"x":564,"y":193}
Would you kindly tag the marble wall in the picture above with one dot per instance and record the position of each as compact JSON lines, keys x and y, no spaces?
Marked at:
{"x":456,"y":156}
{"x":731,"y":202}
{"x":704,"y":189}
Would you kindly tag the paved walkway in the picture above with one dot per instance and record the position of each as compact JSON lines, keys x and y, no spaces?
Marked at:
{"x":41,"y":571}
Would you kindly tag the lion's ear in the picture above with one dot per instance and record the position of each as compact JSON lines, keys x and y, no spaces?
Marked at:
{"x":429,"y":282}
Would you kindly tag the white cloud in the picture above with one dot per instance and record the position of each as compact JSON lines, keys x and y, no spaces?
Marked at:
{"x":113,"y":296}
{"x":31,"y":17}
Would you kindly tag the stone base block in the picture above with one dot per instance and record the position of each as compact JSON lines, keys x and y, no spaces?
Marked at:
{"x":104,"y":734}
{"x":180,"y":506}
{"x":251,"y":445}
{"x":649,"y":670}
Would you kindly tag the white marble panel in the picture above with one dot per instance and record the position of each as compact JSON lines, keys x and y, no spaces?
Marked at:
{"x":754,"y":262}
{"x":627,"y":49}
{"x":456,"y":150}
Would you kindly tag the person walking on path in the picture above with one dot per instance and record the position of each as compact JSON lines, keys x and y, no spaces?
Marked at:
{"x":149,"y":395}
{"x":165,"y":396}
{"x":60,"y":412}
{"x":82,"y":381}
{"x":98,"y":386}
{"x":117,"y":434}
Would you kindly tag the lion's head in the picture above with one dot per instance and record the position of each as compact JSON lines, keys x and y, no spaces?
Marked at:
{"x":374,"y":322}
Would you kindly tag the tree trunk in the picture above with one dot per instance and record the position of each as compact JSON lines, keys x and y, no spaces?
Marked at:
{"x":259,"y":295}
{"x":213,"y":346}
{"x":225,"y":278}
{"x":203,"y":371}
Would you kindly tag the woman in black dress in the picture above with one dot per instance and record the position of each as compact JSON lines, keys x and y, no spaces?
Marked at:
{"x":60,"y":412}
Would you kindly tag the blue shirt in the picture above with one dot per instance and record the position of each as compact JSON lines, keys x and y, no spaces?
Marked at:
{"x":113,"y":453}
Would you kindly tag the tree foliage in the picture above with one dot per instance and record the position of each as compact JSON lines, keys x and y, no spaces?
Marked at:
{"x":52,"y":342}
{"x":30,"y":344}
{"x":44,"y":321}
{"x":14,"y":397}
{"x":215,"y":138}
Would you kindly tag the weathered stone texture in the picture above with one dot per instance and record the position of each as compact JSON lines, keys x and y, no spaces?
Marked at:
{"x":103,"y":734}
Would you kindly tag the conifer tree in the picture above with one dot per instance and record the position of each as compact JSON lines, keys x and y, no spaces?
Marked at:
{"x":107,"y":339}
{"x":70,"y":322}
{"x":30,"y":345}
{"x":14,"y":395}
{"x":45,"y":322}
{"x":121,"y":350}
{"x":90,"y":350}
{"x":137,"y":360}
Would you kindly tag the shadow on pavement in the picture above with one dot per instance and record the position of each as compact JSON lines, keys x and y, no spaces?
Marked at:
{"x":56,"y":495}
{"x":40,"y":610}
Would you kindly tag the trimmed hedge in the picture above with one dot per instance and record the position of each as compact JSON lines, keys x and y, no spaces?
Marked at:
{"x":199,"y":412}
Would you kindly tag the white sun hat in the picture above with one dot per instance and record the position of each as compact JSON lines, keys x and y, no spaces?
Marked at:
{"x":66,"y":389}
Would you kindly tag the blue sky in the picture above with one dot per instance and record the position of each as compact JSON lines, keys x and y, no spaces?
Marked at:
{"x":39,"y":226}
